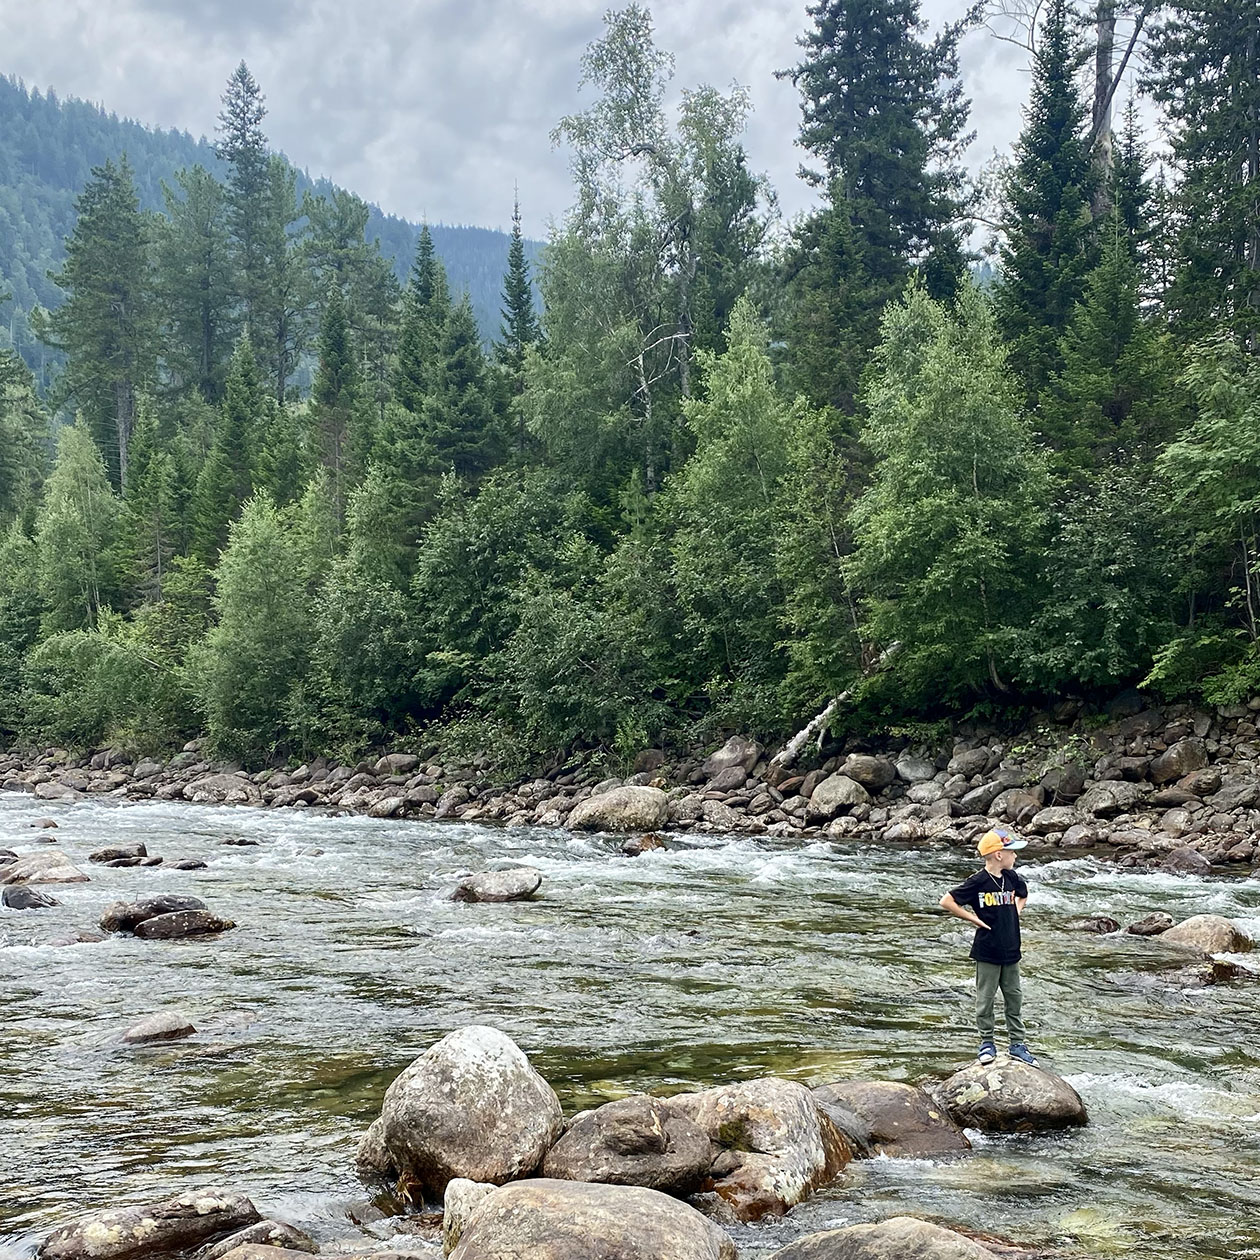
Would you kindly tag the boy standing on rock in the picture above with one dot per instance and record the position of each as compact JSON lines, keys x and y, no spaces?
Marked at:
{"x":993,"y":900}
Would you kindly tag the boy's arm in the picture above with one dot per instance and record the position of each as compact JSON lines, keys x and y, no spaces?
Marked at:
{"x":950,"y":906}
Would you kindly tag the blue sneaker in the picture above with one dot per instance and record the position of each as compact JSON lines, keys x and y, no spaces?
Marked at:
{"x":1023,"y":1054}
{"x":987,"y":1053}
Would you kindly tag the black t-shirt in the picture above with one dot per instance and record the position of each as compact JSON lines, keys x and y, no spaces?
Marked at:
{"x":992,"y":898}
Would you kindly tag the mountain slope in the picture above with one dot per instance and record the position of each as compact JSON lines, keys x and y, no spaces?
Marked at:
{"x":48,"y":147}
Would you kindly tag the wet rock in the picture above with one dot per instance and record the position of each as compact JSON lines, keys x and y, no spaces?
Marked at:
{"x":1184,"y":757}
{"x":80,"y":937}
{"x":451,"y":800}
{"x":161,"y":1026}
{"x":45,"y":867}
{"x":239,"y":842}
{"x":635,"y":1141}
{"x":1151,"y":925}
{"x":1208,"y":933}
{"x":833,"y":794}
{"x":1113,"y":796}
{"x":125,"y":916}
{"x":511,"y":885}
{"x":637,"y":845}
{"x":1053,"y":818}
{"x":188,"y":864}
{"x":899,"y":1238}
{"x":387,"y":807}
{"x":737,"y":751}
{"x":117,"y":852}
{"x":722,"y":817}
{"x":1186,"y":861}
{"x":470,"y":1106}
{"x":7,"y":856}
{"x":20,"y":897}
{"x":630,"y":808}
{"x":902,"y":1120}
{"x":1100,"y":924}
{"x":264,"y":1251}
{"x":44,"y":824}
{"x":1011,"y":1097}
{"x":778,"y":1144}
{"x":182,"y":923}
{"x":459,"y":1200}
{"x":153,"y":1229}
{"x":272,"y":1234}
{"x":546,"y":1219}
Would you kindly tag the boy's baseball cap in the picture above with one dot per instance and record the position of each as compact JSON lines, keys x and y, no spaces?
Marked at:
{"x":998,"y":839}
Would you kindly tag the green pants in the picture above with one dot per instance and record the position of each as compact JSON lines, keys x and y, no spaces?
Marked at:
{"x":990,"y":977}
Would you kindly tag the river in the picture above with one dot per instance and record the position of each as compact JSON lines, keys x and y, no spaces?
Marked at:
{"x":723,"y":958}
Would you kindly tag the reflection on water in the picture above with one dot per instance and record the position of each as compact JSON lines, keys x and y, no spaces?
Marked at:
{"x":717,"y":960}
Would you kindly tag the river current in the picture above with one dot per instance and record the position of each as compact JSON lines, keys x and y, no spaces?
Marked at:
{"x":720,"y":959}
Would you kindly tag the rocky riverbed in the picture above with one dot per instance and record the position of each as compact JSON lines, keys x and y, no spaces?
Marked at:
{"x":1174,"y":787}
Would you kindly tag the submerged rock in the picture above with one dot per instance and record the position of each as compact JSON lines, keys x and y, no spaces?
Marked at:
{"x":1011,"y":1097}
{"x":116,"y":852}
{"x":544,"y":1219}
{"x":778,"y":1144}
{"x":1186,"y":861}
{"x":899,"y":1238}
{"x":631,"y":808}
{"x":152,"y":1229}
{"x":638,"y":845}
{"x":272,"y":1234}
{"x":1151,"y":925}
{"x":902,"y":1120}
{"x":515,"y":884}
{"x":471,"y":1106}
{"x":635,"y":1141}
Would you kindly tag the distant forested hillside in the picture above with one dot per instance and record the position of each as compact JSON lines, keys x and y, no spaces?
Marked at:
{"x":48,"y":147}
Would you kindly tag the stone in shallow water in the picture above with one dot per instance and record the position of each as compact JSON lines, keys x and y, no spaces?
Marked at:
{"x":151,"y":1229}
{"x":511,"y":885}
{"x":1011,"y":1097}
{"x":126,"y":916}
{"x":42,"y":868}
{"x":899,"y":1238}
{"x":160,"y":1026}
{"x":116,"y":852}
{"x":1209,"y":933}
{"x":169,"y":927}
{"x":902,"y":1120}
{"x":1151,"y":925}
{"x":269,"y":1236}
{"x":19,"y":897}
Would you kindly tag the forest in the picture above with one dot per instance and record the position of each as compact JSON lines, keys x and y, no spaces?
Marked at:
{"x":731,"y":467}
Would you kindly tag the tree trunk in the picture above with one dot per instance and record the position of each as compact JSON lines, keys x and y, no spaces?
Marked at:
{"x":1104,"y":93}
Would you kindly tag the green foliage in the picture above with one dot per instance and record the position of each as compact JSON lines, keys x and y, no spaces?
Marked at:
{"x":954,"y":511}
{"x":247,"y":669}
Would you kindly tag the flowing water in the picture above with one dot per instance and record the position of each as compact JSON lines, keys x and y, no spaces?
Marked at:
{"x":721,"y":959}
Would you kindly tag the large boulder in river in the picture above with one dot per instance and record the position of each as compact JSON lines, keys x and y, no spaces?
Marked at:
{"x":902,"y":1120}
{"x":631,"y":808}
{"x":126,"y":916}
{"x":1011,"y":1097}
{"x":1208,"y":933}
{"x":470,"y":1106}
{"x":151,"y":1229}
{"x":564,"y":1220}
{"x":834,"y":793}
{"x":635,"y":1141}
{"x":20,"y":897}
{"x":47,"y":866}
{"x":514,"y":884}
{"x":778,"y":1144}
{"x":899,"y":1238}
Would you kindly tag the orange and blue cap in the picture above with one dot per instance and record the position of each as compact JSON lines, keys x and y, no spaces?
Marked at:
{"x":998,"y":839}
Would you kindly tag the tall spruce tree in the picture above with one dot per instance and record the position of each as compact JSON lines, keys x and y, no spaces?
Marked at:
{"x":197,"y":284}
{"x":107,"y":323}
{"x":242,"y":145}
{"x":1207,"y":77}
{"x":459,"y":417}
{"x":426,"y":305}
{"x":1047,"y":235}
{"x":519,"y":328}
{"x":335,"y":397}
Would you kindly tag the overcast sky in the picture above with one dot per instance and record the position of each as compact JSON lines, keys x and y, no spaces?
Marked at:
{"x":435,"y":108}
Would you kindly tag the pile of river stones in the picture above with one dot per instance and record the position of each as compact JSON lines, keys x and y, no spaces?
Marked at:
{"x":1174,"y":786}
{"x":472,"y":1125}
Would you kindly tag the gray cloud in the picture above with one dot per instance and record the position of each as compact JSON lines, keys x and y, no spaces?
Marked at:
{"x":437,"y":108}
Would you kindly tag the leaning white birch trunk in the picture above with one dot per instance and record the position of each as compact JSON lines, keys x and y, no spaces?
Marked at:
{"x":817,"y":725}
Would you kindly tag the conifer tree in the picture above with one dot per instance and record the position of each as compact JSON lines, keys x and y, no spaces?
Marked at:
{"x":243,"y":147}
{"x":1207,"y":77}
{"x":197,"y":285}
{"x":225,"y":480}
{"x":1047,"y":246}
{"x":107,"y":324}
{"x":1132,"y":194}
{"x":279,"y":323}
{"x":459,"y":418}
{"x":335,"y":395}
{"x":23,"y":438}
{"x":426,"y":306}
{"x":884,"y":114}
{"x":519,"y":328}
{"x":151,"y":504}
